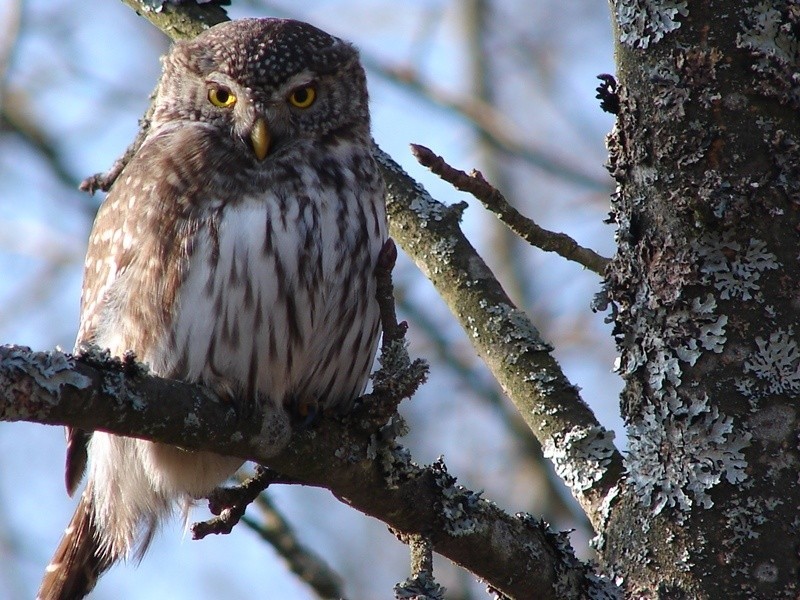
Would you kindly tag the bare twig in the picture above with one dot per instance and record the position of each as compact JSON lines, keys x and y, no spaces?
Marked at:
{"x":398,"y":375}
{"x":489,"y":122}
{"x":303,"y":562}
{"x":392,"y":330}
{"x":475,"y":184}
{"x":230,"y":503}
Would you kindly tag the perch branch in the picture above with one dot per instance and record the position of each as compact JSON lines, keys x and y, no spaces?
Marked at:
{"x":344,"y":455}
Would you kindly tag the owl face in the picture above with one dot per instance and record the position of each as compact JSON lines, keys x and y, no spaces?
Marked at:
{"x":265,"y":85}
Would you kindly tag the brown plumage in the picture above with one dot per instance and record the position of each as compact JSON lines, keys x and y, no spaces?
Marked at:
{"x":235,"y":249}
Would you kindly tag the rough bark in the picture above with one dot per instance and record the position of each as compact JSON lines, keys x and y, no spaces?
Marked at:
{"x":704,"y":288}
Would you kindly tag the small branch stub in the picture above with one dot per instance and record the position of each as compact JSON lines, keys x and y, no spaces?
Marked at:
{"x":421,"y":585}
{"x":229,"y":504}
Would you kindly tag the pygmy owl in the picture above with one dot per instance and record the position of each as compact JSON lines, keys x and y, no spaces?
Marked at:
{"x":236,"y":249}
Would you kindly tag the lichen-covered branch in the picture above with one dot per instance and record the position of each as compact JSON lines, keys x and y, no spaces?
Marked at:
{"x":348,"y":456}
{"x":421,"y":585}
{"x":582,"y":451}
{"x":475,"y":184}
{"x":180,"y":20}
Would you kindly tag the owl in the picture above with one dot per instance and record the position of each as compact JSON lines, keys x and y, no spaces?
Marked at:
{"x":236,"y":249}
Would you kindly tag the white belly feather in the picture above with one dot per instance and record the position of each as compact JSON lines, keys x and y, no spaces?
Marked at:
{"x":276,"y":318}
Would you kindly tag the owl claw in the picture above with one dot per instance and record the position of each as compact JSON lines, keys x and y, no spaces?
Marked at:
{"x":387,"y":256}
{"x":306,"y":412}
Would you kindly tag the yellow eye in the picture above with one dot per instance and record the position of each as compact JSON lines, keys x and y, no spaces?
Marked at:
{"x":303,"y":97}
{"x":221,"y":97}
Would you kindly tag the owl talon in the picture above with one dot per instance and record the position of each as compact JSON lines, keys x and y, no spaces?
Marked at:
{"x":306,"y":413}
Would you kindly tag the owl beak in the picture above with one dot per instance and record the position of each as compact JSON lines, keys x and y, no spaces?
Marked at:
{"x":260,"y":138}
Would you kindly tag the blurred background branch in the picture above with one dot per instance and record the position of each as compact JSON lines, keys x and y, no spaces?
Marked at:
{"x":274,"y":529}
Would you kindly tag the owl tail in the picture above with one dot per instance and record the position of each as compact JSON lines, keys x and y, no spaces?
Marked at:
{"x":78,"y":561}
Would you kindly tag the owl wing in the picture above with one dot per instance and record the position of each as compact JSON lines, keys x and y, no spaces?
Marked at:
{"x":106,"y":259}
{"x":133,"y":263}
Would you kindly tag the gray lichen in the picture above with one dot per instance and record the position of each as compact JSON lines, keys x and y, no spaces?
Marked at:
{"x":703,"y":449}
{"x":766,"y":572}
{"x":574,"y":578}
{"x":743,"y":517}
{"x":770,"y":34}
{"x":420,"y":587}
{"x":398,"y":374}
{"x":775,"y":424}
{"x":461,"y":508}
{"x":598,"y":542}
{"x":425,"y":207}
{"x":396,"y":463}
{"x":776,"y":363}
{"x":672,"y":97}
{"x":682,"y":337}
{"x":601,"y":587}
{"x":276,"y":431}
{"x":733,"y":268}
{"x":49,"y":370}
{"x":516,"y":329}
{"x":581,"y":455}
{"x":642,"y":22}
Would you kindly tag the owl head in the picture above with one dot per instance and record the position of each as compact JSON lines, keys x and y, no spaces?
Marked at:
{"x":265,"y":85}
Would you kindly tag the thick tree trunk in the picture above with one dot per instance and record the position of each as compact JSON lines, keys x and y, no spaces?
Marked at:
{"x":706,"y":291}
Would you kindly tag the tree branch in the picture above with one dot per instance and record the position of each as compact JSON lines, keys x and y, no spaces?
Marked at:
{"x":580,"y":448}
{"x":180,"y":20}
{"x":420,"y":585}
{"x":348,"y":456}
{"x":475,"y":184}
